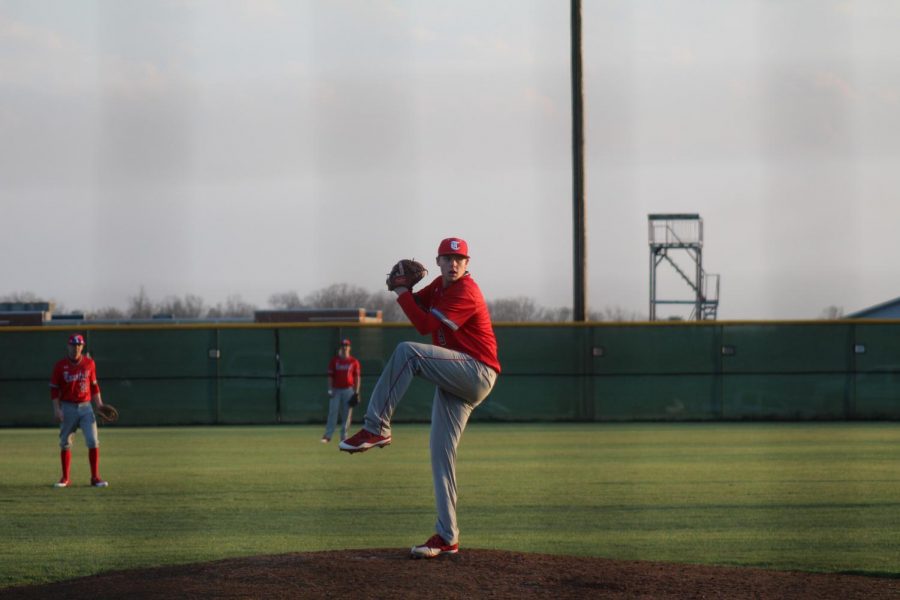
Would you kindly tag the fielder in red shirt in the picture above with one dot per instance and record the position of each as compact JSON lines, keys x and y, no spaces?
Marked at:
{"x":461,"y":362}
{"x":344,"y":379}
{"x":73,"y":385}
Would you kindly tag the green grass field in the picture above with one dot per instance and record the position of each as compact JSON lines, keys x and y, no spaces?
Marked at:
{"x":815,"y":497}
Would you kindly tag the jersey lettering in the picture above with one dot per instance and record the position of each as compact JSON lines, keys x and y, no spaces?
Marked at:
{"x":74,"y":382}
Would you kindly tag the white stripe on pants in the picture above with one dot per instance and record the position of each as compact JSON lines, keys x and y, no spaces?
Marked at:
{"x":462,"y":384}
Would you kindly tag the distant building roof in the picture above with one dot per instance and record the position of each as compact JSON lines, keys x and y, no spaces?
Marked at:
{"x":23,"y":317}
{"x":885,"y":310}
{"x":26,"y":306}
{"x":358,"y":315}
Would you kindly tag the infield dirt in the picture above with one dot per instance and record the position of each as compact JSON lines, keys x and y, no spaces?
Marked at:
{"x":471,"y":574}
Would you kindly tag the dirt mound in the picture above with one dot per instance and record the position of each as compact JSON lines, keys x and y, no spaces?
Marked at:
{"x":382,"y":573}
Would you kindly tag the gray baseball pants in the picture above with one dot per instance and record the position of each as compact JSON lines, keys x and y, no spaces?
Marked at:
{"x":75,"y":416}
{"x":339,"y":404}
{"x":462,"y":384}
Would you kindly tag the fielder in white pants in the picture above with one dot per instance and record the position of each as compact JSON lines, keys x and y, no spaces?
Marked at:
{"x":344,"y":380}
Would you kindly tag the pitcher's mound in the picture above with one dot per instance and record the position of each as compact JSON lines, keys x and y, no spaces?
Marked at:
{"x":469,"y":575}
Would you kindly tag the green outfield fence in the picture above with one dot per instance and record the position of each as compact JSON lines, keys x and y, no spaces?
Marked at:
{"x":229,"y":373}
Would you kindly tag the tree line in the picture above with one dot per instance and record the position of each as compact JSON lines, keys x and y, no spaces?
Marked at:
{"x":519,"y":309}
{"x":339,"y":295}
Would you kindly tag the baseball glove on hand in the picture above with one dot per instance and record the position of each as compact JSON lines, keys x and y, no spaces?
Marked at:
{"x":354,"y":400}
{"x":107,"y":413}
{"x":406,"y":273}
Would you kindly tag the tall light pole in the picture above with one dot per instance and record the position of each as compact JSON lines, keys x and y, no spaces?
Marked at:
{"x":579,"y":311}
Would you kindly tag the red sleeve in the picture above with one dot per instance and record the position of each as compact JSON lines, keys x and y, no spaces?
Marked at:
{"x":424,"y":322}
{"x":331,"y":370}
{"x":453,"y":309}
{"x":425,"y":294}
{"x":357,"y":371}
{"x":95,"y":385}
{"x":55,"y":382}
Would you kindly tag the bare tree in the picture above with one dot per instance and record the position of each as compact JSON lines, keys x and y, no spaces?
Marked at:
{"x":519,"y":309}
{"x":339,"y":295}
{"x":107,"y":313}
{"x":286,"y":301}
{"x":386,"y":302}
{"x":525,"y":310}
{"x":832,"y":312}
{"x":557,"y":315}
{"x":21,"y":297}
{"x":189,"y":307}
{"x":140,"y":306}
{"x":616,"y":314}
{"x":234,"y":307}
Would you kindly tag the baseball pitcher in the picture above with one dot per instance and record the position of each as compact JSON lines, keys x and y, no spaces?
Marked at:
{"x":461,"y":361}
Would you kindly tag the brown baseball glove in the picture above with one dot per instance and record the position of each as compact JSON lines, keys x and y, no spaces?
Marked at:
{"x":107,"y":413}
{"x":406,"y":273}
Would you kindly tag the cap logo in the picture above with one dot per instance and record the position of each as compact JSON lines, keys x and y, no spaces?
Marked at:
{"x":454,"y":244}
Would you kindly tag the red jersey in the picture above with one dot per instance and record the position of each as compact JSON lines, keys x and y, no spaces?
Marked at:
{"x":456,"y":317}
{"x":344,"y":372}
{"x":74,"y":381}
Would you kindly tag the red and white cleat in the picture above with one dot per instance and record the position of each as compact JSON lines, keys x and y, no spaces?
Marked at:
{"x":363,"y":440}
{"x":435,"y":546}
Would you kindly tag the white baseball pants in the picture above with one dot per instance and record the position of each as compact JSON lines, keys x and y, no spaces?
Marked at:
{"x":339,"y":405}
{"x":462,"y":383}
{"x":77,"y":416}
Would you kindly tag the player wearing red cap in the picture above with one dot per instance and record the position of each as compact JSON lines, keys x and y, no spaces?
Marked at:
{"x":73,"y":385}
{"x":461,"y":362}
{"x":344,"y":379}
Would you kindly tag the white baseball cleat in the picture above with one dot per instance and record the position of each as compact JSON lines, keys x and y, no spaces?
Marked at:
{"x":99,"y":483}
{"x":62,"y":483}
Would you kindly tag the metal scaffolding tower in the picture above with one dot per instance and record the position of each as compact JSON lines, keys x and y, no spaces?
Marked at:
{"x":674,"y":234}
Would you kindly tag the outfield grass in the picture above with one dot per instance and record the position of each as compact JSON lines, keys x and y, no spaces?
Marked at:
{"x":816,"y":497}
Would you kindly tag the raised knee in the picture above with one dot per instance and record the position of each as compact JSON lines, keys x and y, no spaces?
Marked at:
{"x":408,"y":349}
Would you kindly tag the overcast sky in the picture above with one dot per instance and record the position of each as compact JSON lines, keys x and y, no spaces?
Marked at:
{"x":237,"y":147}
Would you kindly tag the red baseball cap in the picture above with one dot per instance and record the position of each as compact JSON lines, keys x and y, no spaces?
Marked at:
{"x":76,"y":339}
{"x":453,"y":245}
{"x":345,"y":342}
